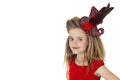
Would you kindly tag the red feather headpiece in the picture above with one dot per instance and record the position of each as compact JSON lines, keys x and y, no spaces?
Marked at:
{"x":89,"y":24}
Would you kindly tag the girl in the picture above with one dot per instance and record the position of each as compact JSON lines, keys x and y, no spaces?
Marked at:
{"x":84,"y":54}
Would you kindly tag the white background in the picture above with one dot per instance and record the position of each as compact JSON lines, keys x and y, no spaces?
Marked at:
{"x":33,"y":36}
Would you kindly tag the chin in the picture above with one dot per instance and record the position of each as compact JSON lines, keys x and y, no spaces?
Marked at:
{"x":75,"y":52}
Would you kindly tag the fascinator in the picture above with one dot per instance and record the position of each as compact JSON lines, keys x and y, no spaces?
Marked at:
{"x":89,"y":24}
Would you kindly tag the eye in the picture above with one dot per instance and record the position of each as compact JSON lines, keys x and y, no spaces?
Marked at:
{"x":71,"y":39}
{"x":80,"y":39}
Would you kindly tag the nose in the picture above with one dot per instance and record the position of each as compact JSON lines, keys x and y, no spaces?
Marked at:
{"x":75,"y":43}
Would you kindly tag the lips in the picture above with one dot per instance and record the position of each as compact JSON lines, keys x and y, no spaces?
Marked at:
{"x":75,"y":47}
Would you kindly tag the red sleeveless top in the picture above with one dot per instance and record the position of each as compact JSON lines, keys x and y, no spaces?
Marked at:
{"x":77,"y":72}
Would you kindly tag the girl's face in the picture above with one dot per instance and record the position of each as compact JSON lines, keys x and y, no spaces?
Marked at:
{"x":77,"y":40}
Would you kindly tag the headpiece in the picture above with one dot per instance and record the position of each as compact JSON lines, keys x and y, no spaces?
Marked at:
{"x":89,"y":24}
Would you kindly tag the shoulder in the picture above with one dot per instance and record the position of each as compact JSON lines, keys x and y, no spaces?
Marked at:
{"x":71,"y":62}
{"x":97,"y":64}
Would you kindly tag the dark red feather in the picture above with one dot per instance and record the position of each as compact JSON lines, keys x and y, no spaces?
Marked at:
{"x":98,"y":18}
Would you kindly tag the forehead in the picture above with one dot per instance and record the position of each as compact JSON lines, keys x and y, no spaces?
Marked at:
{"x":77,"y":32}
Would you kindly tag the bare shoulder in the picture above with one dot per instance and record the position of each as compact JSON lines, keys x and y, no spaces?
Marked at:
{"x":104,"y":72}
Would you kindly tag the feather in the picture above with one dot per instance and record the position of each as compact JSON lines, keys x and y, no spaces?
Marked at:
{"x":98,"y":18}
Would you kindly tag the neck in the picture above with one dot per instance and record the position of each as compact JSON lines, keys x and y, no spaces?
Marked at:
{"x":81,"y":59}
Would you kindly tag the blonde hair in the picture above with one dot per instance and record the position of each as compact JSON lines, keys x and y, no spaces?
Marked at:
{"x":94,"y":51}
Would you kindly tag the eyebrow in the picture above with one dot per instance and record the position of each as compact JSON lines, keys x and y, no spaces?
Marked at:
{"x":77,"y":37}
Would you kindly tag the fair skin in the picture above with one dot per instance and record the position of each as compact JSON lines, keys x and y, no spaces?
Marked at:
{"x":78,"y":43}
{"x":78,"y":39}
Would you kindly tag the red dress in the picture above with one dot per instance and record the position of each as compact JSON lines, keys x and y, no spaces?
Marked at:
{"x":77,"y":72}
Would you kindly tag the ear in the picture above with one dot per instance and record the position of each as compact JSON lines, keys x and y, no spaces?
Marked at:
{"x":93,"y":12}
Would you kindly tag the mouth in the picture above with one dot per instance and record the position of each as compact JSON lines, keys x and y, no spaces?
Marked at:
{"x":75,"y":47}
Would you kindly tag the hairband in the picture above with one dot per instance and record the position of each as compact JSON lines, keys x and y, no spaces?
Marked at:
{"x":89,"y":24}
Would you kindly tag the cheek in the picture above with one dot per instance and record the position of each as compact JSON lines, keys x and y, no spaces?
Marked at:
{"x":84,"y":45}
{"x":70,"y":44}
